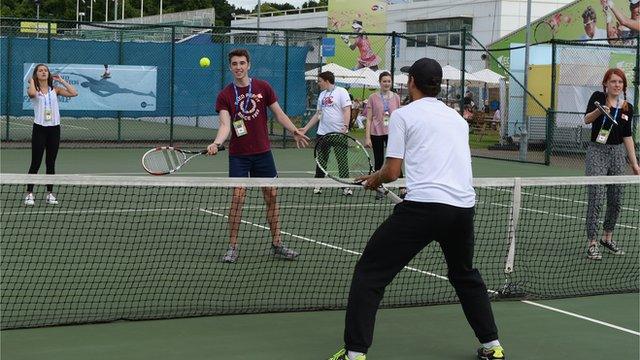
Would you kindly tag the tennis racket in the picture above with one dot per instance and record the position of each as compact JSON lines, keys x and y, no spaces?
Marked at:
{"x":167,"y":160}
{"x":543,"y":32}
{"x":343,"y":158}
{"x":605,"y":112}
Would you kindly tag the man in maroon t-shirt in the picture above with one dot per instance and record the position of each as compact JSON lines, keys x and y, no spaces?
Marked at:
{"x":242,"y":106}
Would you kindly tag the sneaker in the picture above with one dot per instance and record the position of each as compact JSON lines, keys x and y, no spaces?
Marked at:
{"x":231,"y":256}
{"x":496,"y":352}
{"x":284,"y":252}
{"x":342,"y":355}
{"x":317,"y":190}
{"x":29,"y":200}
{"x":347,"y":192}
{"x":51,"y":199}
{"x":593,"y":253}
{"x":612,"y":247}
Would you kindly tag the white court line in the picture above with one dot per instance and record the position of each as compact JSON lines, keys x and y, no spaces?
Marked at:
{"x":28,"y":125}
{"x":562,"y":215}
{"x":430,"y":274}
{"x":191,"y":173}
{"x":581,"y":317}
{"x":222,"y":208}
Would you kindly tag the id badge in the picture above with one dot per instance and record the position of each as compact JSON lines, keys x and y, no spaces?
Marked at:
{"x":385,"y":118}
{"x":239,"y":127}
{"x":47,"y":115}
{"x":602,"y":137}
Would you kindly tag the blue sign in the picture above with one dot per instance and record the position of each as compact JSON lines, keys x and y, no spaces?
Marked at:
{"x":102,"y":87}
{"x":328,"y":47}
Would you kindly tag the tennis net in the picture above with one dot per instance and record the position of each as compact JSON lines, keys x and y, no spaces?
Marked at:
{"x":149,"y":247}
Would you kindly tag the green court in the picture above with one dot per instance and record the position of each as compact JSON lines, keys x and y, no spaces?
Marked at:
{"x":552,"y":219}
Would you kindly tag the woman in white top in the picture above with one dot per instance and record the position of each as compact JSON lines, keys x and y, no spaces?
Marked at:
{"x":46,"y":124}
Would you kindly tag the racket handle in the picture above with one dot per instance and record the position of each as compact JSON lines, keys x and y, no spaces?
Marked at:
{"x":391,"y":195}
{"x":220,"y":148}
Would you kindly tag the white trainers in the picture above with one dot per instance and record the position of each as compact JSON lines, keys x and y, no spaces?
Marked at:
{"x":29,"y":200}
{"x":51,"y":199}
{"x":347,"y":191}
{"x":317,"y":190}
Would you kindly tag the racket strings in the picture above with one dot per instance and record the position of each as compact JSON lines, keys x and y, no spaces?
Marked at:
{"x":342,"y":157}
{"x":163,"y":160}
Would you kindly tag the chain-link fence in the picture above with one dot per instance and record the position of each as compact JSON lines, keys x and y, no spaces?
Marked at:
{"x":542,"y":124}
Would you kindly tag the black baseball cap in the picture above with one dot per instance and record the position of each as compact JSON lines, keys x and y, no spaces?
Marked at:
{"x":425,"y":71}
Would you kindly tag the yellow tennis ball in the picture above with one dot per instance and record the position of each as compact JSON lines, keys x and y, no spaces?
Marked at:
{"x":205,"y":62}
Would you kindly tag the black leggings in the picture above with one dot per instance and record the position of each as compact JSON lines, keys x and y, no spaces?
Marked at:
{"x":44,"y":137}
{"x":341,"y":158}
{"x":379,"y":143}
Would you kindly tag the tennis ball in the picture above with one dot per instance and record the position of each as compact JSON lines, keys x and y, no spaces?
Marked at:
{"x":205,"y":62}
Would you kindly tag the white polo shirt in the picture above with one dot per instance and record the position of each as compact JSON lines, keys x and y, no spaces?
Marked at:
{"x":42,"y":102}
{"x":433,"y":140}
{"x":331,"y":103}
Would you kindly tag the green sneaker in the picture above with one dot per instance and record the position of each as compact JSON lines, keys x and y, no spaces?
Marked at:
{"x":342,"y":355}
{"x":496,"y":352}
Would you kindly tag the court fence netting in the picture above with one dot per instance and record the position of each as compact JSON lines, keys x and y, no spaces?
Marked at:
{"x":541,"y":122}
{"x":151,"y":248}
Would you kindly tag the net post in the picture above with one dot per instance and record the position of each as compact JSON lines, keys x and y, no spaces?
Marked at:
{"x":514,"y":214}
{"x":8,"y":86}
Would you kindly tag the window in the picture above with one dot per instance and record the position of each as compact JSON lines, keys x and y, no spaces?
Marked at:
{"x":454,"y":39}
{"x":441,"y":32}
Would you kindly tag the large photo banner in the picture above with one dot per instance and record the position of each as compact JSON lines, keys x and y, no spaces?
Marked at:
{"x":103,"y":87}
{"x":357,"y":50}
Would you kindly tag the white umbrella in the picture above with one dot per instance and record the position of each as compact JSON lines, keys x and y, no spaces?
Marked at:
{"x":342,"y":74}
{"x":452,"y":74}
{"x":491,"y":78}
{"x":368,"y":79}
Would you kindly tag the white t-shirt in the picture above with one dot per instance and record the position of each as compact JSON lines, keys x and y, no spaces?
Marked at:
{"x":42,"y":103}
{"x":331,"y":103}
{"x":433,"y":140}
{"x":599,"y":34}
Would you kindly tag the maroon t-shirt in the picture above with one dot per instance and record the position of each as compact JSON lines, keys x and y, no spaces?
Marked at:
{"x":256,"y":141}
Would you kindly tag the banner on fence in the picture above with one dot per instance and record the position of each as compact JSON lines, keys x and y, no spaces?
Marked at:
{"x":103,"y":87}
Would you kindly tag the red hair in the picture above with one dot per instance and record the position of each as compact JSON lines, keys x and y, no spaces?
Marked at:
{"x":620,"y":73}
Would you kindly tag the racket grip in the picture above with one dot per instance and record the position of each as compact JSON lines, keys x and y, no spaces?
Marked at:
{"x":205,"y":151}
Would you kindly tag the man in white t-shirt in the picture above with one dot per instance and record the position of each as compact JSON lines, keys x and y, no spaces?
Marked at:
{"x":334,"y":115}
{"x":432,"y":139}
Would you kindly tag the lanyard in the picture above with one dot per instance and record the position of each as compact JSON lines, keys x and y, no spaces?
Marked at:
{"x":247,"y":99}
{"x":385,"y":103}
{"x":615,"y":115}
{"x":48,"y":97}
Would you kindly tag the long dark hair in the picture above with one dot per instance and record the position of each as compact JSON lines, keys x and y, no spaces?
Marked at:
{"x":620,"y":73}
{"x":36,"y":83}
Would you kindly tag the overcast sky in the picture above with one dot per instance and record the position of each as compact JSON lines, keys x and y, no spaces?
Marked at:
{"x":250,"y":4}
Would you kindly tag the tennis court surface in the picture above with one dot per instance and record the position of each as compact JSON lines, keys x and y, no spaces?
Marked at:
{"x":142,"y":248}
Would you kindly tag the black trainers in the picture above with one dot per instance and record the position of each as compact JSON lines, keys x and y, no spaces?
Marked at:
{"x":612,"y":247}
{"x":284,"y":252}
{"x":496,"y":352}
{"x":593,"y":253}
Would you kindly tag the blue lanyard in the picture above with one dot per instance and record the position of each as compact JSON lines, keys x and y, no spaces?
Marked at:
{"x":385,"y":103}
{"x":615,"y":115}
{"x":48,"y":97}
{"x":247,"y":99}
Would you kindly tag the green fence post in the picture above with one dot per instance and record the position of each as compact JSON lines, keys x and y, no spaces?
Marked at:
{"x":48,"y":40}
{"x":393,"y":58}
{"x":8,"y":82}
{"x":551,"y":111}
{"x":171,"y":83}
{"x":120,"y":55}
{"x":463,"y":59}
{"x":636,"y":94}
{"x":286,"y":85}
